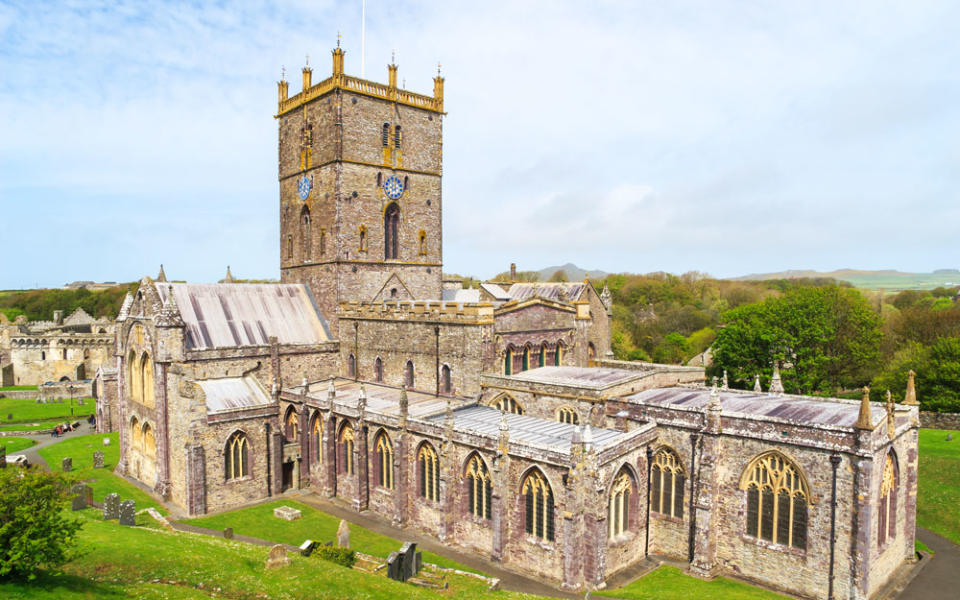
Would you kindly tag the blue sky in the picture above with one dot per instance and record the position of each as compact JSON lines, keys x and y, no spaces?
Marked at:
{"x":725,"y":137}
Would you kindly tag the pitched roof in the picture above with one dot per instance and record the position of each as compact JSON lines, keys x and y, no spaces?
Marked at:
{"x":232,"y":393}
{"x":219,"y":315}
{"x":558,"y":292}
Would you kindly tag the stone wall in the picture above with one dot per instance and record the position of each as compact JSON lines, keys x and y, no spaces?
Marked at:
{"x":934,"y":420}
{"x":40,"y":359}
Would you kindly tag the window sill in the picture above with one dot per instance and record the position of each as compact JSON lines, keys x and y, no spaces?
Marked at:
{"x":663,"y":517}
{"x":475,"y":520}
{"x":622,"y":539}
{"x":239,"y":479}
{"x":777,"y":547}
{"x":540,"y":543}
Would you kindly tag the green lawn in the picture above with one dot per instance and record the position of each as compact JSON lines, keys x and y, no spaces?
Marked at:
{"x":17,"y":388}
{"x":16,"y":444}
{"x":28,"y":411}
{"x":938,"y":494}
{"x":103,"y":481}
{"x":259,"y":522}
{"x":670,"y":583}
{"x":141,"y":562}
{"x":35,"y":426}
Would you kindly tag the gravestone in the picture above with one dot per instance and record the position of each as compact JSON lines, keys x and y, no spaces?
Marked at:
{"x":343,"y":534}
{"x":60,"y":400}
{"x":39,"y":401}
{"x":277,"y":557}
{"x":67,"y":464}
{"x":306,"y":548}
{"x":128,"y":513}
{"x":78,"y":503}
{"x":9,"y":416}
{"x":228,"y":533}
{"x":98,"y":459}
{"x":393,"y":567}
{"x":287,"y":513}
{"x":85,"y":492}
{"x":418,"y":563}
{"x":408,"y":560}
{"x":111,"y":507}
{"x":106,"y":441}
{"x":949,"y":437}
{"x":79,"y":401}
{"x":3,"y":457}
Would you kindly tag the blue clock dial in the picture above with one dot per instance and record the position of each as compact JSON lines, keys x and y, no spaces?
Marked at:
{"x":393,"y":188}
{"x":304,"y":186}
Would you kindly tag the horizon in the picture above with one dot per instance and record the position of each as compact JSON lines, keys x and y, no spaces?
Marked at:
{"x":635,"y":137}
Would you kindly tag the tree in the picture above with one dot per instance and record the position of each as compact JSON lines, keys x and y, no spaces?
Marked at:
{"x":35,"y":532}
{"x":824,"y":337}
{"x":938,"y":375}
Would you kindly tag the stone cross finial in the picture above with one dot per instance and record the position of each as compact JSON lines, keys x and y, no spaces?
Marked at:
{"x":304,"y":383}
{"x":331,"y":389}
{"x":891,"y":418}
{"x":726,"y":382}
{"x":865,"y":418}
{"x":910,"y":398}
{"x":587,"y":437}
{"x":229,"y":277}
{"x":776,"y":385}
{"x":756,"y":384}
{"x":161,"y":276}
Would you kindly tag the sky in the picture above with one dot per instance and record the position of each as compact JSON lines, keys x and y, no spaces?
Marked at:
{"x":637,"y":136}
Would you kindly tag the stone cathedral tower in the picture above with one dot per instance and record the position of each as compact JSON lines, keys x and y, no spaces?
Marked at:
{"x":360,"y":170}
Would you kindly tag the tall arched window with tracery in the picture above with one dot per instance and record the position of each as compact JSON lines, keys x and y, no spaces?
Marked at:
{"x":887,"y":511}
{"x":146,"y":381}
{"x":345,"y":450}
{"x":565,"y":414}
{"x":291,"y":425}
{"x":236,"y":460}
{"x":526,"y":358}
{"x":558,"y":354}
{"x":508,"y":362}
{"x":305,"y":228}
{"x":479,"y":488}
{"x":777,"y":500}
{"x":316,"y":437}
{"x":508,"y":404}
{"x":667,"y":484}
{"x":391,"y":228}
{"x":538,"y":505}
{"x":620,"y":504}
{"x":428,"y":471}
{"x":384,"y":466}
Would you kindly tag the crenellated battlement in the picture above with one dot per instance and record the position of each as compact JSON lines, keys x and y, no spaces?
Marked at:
{"x":474,"y":313}
{"x":340,"y":80}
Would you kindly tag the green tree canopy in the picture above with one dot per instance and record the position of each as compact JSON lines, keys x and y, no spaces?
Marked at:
{"x":937,"y":369}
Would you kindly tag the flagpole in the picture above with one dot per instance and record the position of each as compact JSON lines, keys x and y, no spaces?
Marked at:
{"x":363,"y":37}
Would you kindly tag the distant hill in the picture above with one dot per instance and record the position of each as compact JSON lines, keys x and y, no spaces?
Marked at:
{"x":886,"y":280}
{"x":574,"y":273}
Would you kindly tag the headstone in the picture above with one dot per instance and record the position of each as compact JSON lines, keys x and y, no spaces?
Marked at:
{"x":393,"y":567}
{"x":128,"y":513}
{"x":106,"y":441}
{"x":98,"y":459}
{"x":343,"y":534}
{"x":287,"y":513}
{"x":306,"y":548}
{"x":85,"y":492}
{"x":949,"y":437}
{"x":78,"y":503}
{"x":111,"y":507}
{"x":228,"y":533}
{"x":79,"y":401}
{"x":277,"y":557}
{"x":60,"y":400}
{"x":418,"y":563}
{"x":67,"y":464}
{"x":39,"y":401}
{"x":9,"y":416}
{"x":408,"y":552}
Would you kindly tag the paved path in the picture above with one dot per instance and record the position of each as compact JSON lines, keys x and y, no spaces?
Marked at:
{"x":43,"y":440}
{"x":939,"y":580}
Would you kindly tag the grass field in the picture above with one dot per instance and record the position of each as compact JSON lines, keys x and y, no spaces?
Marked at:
{"x":16,"y":444}
{"x":28,"y":411}
{"x":938,"y":493}
{"x":17,"y":388}
{"x":670,"y":583}
{"x":141,"y":562}
{"x":103,"y":481}
{"x":259,"y":522}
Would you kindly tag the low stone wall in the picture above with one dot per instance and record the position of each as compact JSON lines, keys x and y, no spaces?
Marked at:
{"x":20,"y":394}
{"x":66,"y":390}
{"x":936,"y":420}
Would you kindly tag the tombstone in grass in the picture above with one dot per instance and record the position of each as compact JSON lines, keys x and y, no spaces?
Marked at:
{"x":83,"y":496}
{"x":66,"y":464}
{"x":128,"y":513}
{"x":9,"y":416}
{"x":949,"y":437}
{"x":79,"y":401}
{"x":98,"y":459}
{"x":78,"y":502}
{"x":343,"y":534}
{"x":106,"y":441}
{"x":306,"y":548}
{"x":393,"y":567}
{"x":408,"y":560}
{"x":111,"y":507}
{"x":418,"y":563}
{"x":277,"y":557}
{"x":228,"y":533}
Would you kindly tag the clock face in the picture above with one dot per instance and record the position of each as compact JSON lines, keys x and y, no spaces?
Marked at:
{"x":303,"y":186}
{"x":393,"y":188}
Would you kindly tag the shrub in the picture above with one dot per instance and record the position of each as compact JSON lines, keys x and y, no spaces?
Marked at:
{"x":345,"y":557}
{"x":35,"y":532}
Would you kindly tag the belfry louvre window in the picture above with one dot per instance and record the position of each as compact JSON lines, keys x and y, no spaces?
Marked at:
{"x":397,"y":137}
{"x":235,"y":456}
{"x":428,"y":467}
{"x":385,"y":134}
{"x":508,"y":404}
{"x":479,"y":488}
{"x":345,"y":464}
{"x":887,"y":511}
{"x":538,"y":500}
{"x":567,"y":415}
{"x":384,"y":461}
{"x":777,"y":501}
{"x":667,"y":484}
{"x":620,"y":504}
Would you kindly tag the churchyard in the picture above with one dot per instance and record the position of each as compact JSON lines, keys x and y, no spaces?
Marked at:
{"x":938,"y":494}
{"x":16,"y":444}
{"x":28,"y":415}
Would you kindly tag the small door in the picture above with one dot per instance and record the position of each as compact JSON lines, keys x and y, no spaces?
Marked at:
{"x":287,"y":475}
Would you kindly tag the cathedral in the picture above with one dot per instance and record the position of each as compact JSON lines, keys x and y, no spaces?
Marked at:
{"x":494,"y":420}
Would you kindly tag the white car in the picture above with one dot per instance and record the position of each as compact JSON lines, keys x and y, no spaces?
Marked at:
{"x":18,"y":460}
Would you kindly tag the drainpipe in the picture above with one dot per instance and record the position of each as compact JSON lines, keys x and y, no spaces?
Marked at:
{"x":436,"y":332}
{"x":834,"y":462}
{"x":694,"y":438}
{"x":356,"y":351}
{"x":646,"y":544}
{"x":266,"y":428}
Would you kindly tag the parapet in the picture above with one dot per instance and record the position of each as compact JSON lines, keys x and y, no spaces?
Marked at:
{"x":472,"y":313}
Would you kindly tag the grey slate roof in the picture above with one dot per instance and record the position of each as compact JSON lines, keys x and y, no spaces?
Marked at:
{"x":382,"y":399}
{"x":558,"y":292}
{"x":798,"y":409}
{"x":219,"y":315}
{"x":589,"y":377}
{"x":232,"y":393}
{"x":469,"y":296}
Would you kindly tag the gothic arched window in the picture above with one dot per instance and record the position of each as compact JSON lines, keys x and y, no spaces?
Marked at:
{"x":378,"y":370}
{"x":538,"y":513}
{"x":508,"y":404}
{"x":397,"y":137}
{"x":479,"y":488}
{"x":351,"y":366}
{"x":316,"y":436}
{"x":777,"y":500}
{"x":558,"y":354}
{"x":526,"y":358}
{"x":887,"y":513}
{"x":446,"y":384}
{"x":345,"y":450}
{"x":384,"y":461}
{"x":508,"y":362}
{"x":291,"y":425}
{"x":620,"y":504}
{"x":566,"y":414}
{"x":391,"y":226}
{"x":408,"y":375}
{"x":305,"y":231}
{"x":666,"y":484}
{"x":236,"y":461}
{"x":428,"y":470}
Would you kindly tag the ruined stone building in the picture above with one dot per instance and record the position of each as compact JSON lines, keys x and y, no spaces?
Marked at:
{"x":494,"y":420}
